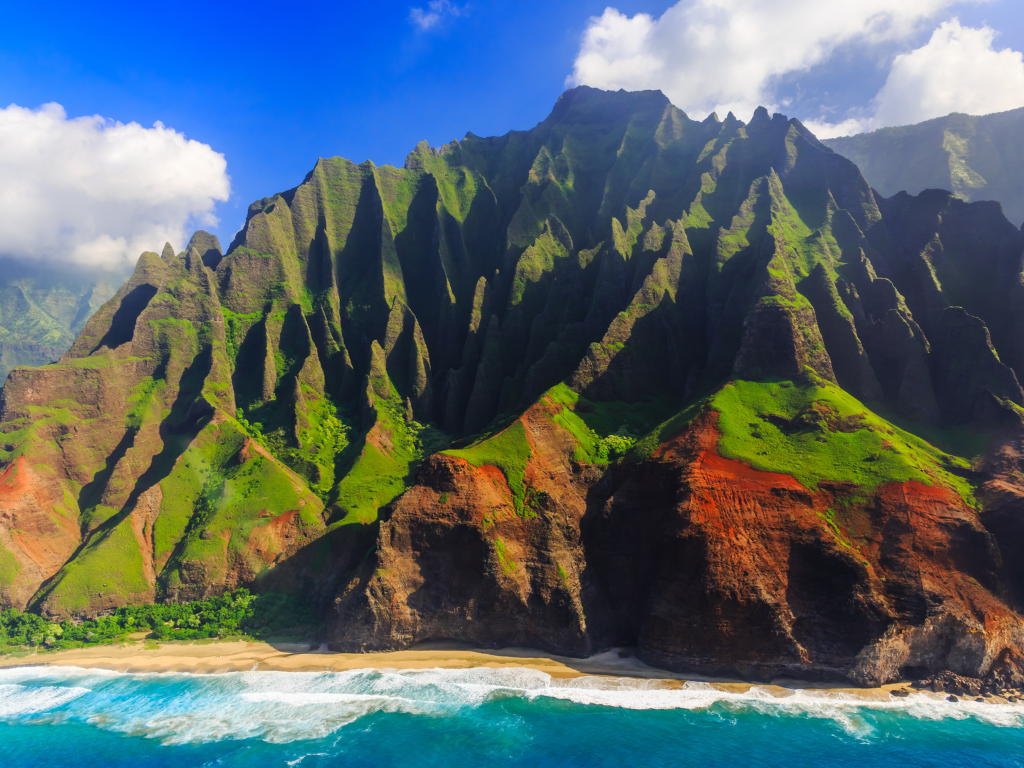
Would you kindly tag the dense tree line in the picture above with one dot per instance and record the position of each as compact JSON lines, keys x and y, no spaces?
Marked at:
{"x":231,"y":614}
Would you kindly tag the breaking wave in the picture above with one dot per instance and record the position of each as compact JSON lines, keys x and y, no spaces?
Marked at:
{"x":280,"y":707}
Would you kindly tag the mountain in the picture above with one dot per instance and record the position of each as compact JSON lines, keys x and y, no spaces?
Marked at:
{"x":623,"y":378}
{"x":42,"y":309}
{"x":979,"y":158}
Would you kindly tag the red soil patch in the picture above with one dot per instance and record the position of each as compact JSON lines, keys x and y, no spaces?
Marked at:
{"x":745,"y":477}
{"x":281,"y":522}
{"x":14,"y":479}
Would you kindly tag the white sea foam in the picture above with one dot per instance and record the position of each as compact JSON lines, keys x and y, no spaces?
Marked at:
{"x":288,"y":706}
{"x":17,"y":700}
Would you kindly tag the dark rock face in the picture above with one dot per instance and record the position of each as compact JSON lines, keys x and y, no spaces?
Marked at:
{"x":278,"y":416}
{"x":971,"y":381}
{"x":701,"y":561}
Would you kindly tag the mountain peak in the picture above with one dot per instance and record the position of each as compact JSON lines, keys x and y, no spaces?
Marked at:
{"x":207,"y":246}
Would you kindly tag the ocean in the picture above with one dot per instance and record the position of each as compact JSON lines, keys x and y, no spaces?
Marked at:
{"x":66,"y":716}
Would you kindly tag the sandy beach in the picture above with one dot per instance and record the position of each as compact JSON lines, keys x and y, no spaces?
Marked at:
{"x":242,"y":656}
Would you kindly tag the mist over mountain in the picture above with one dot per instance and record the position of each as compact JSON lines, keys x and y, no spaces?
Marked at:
{"x":42,"y":309}
{"x":623,"y":378}
{"x":976,"y":157}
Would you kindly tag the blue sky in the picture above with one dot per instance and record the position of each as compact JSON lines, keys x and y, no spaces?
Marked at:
{"x":273,"y":86}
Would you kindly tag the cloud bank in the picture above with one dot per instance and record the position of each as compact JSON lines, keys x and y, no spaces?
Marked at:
{"x":95,"y":192}
{"x":959,"y":70}
{"x":728,"y":55}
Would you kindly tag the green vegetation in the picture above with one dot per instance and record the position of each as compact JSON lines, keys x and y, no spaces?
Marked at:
{"x":604,"y":432}
{"x":508,"y":565}
{"x":509,"y":451}
{"x":533,"y":500}
{"x":237,"y":613}
{"x":382,"y":469}
{"x":142,"y":400}
{"x":645,"y":447}
{"x":817,"y":433}
{"x":563,"y":575}
{"x":9,"y":567}
{"x":283,"y":390}
{"x":235,"y":327}
{"x":216,"y":507}
{"x":375,"y":479}
{"x":110,"y":563}
{"x":311,"y":449}
{"x":967,"y":441}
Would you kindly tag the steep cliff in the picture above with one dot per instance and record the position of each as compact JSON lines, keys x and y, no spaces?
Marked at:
{"x":623,"y":377}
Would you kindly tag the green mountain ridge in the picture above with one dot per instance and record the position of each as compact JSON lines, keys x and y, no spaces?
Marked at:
{"x":977,"y":157}
{"x":439,"y":401}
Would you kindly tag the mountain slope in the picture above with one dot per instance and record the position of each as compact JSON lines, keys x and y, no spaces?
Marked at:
{"x":42,"y":309}
{"x":624,"y":377}
{"x":978,"y":158}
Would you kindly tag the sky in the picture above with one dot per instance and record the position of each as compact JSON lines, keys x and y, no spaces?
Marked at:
{"x":126,"y":125}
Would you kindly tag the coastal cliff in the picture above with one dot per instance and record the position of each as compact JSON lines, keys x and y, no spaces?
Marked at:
{"x":624,"y":378}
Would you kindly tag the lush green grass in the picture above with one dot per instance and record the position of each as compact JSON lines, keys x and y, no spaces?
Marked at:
{"x":322,"y":436}
{"x":968,"y":441}
{"x":232,"y":500}
{"x":510,"y":452}
{"x":376,"y":477}
{"x":373,"y":482}
{"x":111,"y":563}
{"x":93,"y":517}
{"x":9,"y":567}
{"x":818,"y":433}
{"x":537,"y":264}
{"x":829,"y":436}
{"x":604,"y":431}
{"x":235,"y":327}
{"x":144,"y":400}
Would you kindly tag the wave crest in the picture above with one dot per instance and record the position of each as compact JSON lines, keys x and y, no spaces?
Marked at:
{"x":281,"y":707}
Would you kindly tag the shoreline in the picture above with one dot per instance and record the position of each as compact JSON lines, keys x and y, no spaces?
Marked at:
{"x":219,"y":657}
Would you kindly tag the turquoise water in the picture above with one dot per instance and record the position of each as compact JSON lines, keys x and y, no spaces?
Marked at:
{"x":75,"y":717}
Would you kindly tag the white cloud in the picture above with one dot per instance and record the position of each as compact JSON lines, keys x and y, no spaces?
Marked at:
{"x":957,"y":71}
{"x":727,"y":55}
{"x":849,"y":127}
{"x":96,"y":192}
{"x":438,"y":10}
